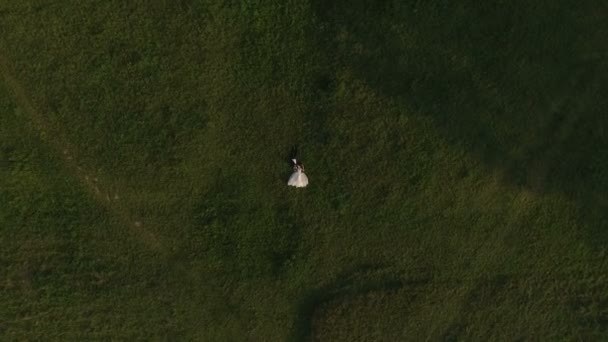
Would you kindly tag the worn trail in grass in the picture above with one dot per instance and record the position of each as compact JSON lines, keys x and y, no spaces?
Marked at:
{"x":106,"y":195}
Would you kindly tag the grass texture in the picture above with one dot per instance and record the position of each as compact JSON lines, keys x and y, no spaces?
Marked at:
{"x":457,"y":156}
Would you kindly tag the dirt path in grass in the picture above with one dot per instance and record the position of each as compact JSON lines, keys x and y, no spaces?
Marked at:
{"x":100,"y":190}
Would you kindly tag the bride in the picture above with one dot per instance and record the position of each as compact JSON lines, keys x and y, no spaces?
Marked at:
{"x":298,"y":178}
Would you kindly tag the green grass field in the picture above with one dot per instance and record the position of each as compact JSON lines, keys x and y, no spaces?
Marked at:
{"x":457,"y":155}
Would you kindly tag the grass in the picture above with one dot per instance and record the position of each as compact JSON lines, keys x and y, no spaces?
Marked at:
{"x":456,"y":152}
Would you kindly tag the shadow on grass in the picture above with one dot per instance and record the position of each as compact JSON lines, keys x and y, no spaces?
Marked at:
{"x":521,"y":85}
{"x":359,"y":280}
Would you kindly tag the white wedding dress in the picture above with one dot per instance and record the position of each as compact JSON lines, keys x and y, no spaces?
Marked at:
{"x":298,"y":178}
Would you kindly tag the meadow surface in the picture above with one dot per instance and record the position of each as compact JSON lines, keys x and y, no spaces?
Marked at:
{"x":457,"y":156}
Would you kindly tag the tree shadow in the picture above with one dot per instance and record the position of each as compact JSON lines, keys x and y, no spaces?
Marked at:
{"x":519,"y":84}
{"x":359,"y":280}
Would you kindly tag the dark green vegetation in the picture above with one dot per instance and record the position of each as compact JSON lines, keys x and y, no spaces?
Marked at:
{"x":457,"y":153}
